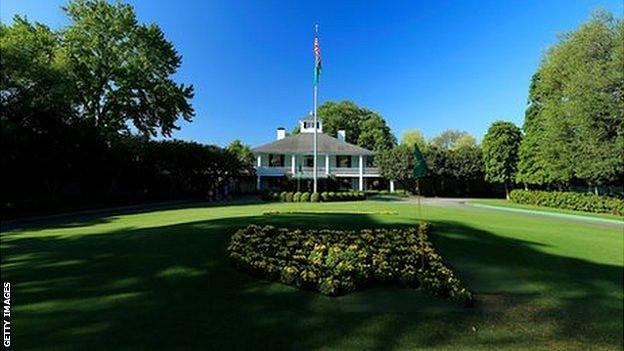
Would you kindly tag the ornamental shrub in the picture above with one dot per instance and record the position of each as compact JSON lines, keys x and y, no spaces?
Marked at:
{"x":324,"y":196}
{"x":315,"y":197}
{"x":338,"y":262}
{"x":569,"y":201}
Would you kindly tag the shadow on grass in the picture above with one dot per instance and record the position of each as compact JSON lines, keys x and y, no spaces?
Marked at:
{"x":102,"y":216}
{"x":172,"y":287}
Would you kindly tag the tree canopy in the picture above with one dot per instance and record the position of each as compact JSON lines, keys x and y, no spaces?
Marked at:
{"x":364,"y":127}
{"x":123,"y":69}
{"x":575,"y":118}
{"x":451,"y":139}
{"x":500,"y":152}
{"x":396,"y":163}
{"x":414,"y":137}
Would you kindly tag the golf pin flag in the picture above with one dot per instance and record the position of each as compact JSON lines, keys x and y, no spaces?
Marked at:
{"x":420,"y":165}
{"x":317,"y":56}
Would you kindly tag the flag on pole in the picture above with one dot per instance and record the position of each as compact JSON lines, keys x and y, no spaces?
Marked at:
{"x":420,"y":165}
{"x":317,"y":57}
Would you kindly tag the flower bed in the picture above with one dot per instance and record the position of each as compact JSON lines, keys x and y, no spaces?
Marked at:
{"x":569,"y":201}
{"x":337,"y":262}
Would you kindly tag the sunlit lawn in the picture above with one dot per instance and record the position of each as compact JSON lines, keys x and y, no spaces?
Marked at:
{"x":161,"y":280}
{"x":506,"y":203}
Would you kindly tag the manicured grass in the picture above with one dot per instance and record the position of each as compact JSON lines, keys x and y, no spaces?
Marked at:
{"x":161,"y":280}
{"x":507,"y":203}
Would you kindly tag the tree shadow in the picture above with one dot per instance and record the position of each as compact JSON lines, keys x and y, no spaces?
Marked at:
{"x":172,"y":287}
{"x":102,"y":216}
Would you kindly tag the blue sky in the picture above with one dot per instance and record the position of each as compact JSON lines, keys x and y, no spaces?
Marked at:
{"x":429,"y":65}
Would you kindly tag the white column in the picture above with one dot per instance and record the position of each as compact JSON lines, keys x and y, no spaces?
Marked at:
{"x":258,"y":164}
{"x":293,"y":159}
{"x":327,"y":164}
{"x":392,"y":186}
{"x":361,"y":173}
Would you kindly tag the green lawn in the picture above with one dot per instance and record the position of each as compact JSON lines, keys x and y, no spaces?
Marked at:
{"x":507,"y":203}
{"x":160,"y":280}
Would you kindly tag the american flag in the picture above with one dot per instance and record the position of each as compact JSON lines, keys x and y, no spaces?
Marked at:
{"x":317,"y":53}
{"x":317,"y":56}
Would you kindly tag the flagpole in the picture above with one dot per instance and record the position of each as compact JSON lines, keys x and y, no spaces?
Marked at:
{"x":315,"y":123}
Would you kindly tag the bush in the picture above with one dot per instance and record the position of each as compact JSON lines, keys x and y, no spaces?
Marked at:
{"x":569,"y":201}
{"x":398,"y":192}
{"x":315,"y":197}
{"x":297,"y":197}
{"x":338,"y":262}
{"x":286,"y":196}
{"x":266,"y":195}
{"x":325,"y":196}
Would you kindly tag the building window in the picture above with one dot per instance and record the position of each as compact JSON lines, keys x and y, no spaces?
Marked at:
{"x":310,"y":125}
{"x":343,"y":161}
{"x":370,"y":161}
{"x":276,"y":160}
{"x":308,"y":161}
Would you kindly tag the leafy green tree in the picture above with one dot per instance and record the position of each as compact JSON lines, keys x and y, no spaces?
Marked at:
{"x":500,"y":153}
{"x":34,"y":83}
{"x":396,"y":163}
{"x":575,"y":117}
{"x":414,"y":137}
{"x":243,"y":154}
{"x":450,"y":139}
{"x":532,"y":168}
{"x":364,"y":127}
{"x":123,"y":69}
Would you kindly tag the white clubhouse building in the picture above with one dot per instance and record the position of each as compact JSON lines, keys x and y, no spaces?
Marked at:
{"x":292,"y":158}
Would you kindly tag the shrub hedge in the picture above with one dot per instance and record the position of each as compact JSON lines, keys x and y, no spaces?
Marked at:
{"x":338,"y":262}
{"x":398,"y":192}
{"x":314,"y":197}
{"x":569,"y":201}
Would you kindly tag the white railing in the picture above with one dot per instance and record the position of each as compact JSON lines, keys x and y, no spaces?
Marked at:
{"x":307,"y":171}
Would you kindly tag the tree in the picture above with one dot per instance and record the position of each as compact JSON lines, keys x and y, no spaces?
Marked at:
{"x":500,"y":153}
{"x":243,"y":154}
{"x":123,"y":70}
{"x":364,"y":127}
{"x":450,"y":139}
{"x":575,"y":117}
{"x":396,"y":163}
{"x":531,"y":166}
{"x":414,"y":137}
{"x":34,"y":83}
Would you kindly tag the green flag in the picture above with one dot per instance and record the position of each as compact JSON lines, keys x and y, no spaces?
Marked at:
{"x":420,"y":165}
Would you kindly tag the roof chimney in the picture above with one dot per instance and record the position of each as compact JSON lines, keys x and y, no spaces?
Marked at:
{"x":342,"y":135}
{"x":281,"y":133}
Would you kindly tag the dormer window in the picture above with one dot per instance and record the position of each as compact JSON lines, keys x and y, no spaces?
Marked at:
{"x":309,"y":125}
{"x":306,"y":125}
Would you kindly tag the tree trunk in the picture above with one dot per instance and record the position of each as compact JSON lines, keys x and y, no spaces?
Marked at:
{"x":506,"y":191}
{"x":595,"y":189}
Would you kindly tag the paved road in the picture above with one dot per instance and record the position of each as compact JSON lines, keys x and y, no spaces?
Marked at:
{"x":465,"y":203}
